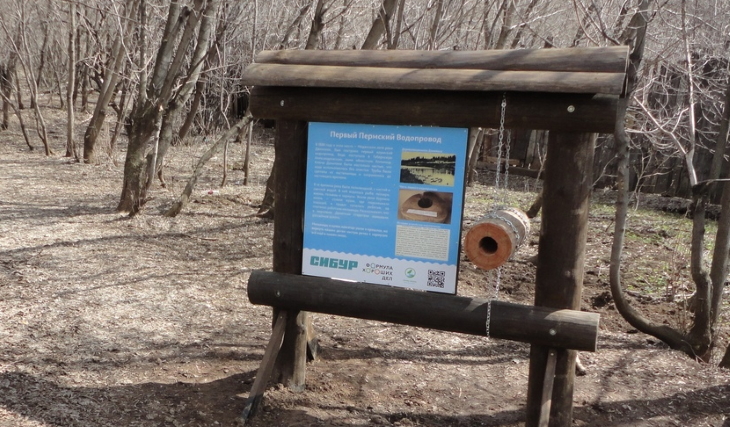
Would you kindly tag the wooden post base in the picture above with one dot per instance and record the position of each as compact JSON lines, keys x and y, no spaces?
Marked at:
{"x":266,"y":368}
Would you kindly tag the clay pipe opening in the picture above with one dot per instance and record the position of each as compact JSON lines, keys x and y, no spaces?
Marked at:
{"x":488,"y":245}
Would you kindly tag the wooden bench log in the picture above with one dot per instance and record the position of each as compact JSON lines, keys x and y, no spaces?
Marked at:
{"x":568,"y":329}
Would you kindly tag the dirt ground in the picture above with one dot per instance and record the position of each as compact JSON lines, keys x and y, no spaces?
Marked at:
{"x":107,"y":320}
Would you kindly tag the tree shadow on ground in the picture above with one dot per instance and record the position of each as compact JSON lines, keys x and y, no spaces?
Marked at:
{"x":710,"y":402}
{"x":217,"y":402}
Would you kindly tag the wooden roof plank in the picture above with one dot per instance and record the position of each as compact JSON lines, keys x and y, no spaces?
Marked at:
{"x":599,"y":59}
{"x":432,"y":79}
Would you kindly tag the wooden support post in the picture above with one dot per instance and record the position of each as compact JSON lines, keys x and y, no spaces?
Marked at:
{"x":267,"y":366}
{"x":547,"y":388}
{"x":289,"y":176}
{"x":559,"y":277}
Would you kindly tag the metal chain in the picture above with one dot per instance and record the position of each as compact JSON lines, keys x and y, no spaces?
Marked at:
{"x":500,"y":139}
{"x":489,"y":302}
{"x":506,"y":166}
{"x":510,"y":224}
{"x":500,"y":145}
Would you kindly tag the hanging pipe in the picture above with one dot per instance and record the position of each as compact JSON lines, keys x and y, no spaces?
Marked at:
{"x":495,"y":238}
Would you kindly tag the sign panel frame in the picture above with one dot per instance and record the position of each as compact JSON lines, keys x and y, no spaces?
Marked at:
{"x":384,"y":204}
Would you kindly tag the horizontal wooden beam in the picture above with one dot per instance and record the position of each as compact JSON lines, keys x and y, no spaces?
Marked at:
{"x":332,"y":76}
{"x":598,"y":59}
{"x":550,"y":327}
{"x":558,"y":112}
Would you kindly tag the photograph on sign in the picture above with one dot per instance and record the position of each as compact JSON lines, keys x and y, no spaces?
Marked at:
{"x":428,"y":206}
{"x":383,"y":204}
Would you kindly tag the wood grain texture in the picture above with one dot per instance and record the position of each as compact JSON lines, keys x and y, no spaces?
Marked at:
{"x":526,"y":110}
{"x":290,"y":171}
{"x":290,"y":165}
{"x":599,"y":59}
{"x":334,"y":76}
{"x":561,"y":256}
{"x":547,"y":389}
{"x":266,"y":368}
{"x":558,"y":328}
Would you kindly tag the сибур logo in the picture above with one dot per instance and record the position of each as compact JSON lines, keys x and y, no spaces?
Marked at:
{"x":342,"y":264}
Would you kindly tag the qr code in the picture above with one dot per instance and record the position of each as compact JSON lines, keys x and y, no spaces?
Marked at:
{"x":436,"y":279}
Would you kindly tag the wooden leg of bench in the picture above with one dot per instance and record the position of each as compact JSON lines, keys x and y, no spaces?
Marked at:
{"x":547,"y":388}
{"x":266,"y":368}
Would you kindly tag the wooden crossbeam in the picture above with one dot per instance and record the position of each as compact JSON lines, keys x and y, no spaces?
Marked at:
{"x":538,"y":325}
{"x":525,"y":110}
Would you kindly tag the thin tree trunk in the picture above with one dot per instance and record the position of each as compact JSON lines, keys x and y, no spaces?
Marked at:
{"x":535,"y":207}
{"x":190,"y":186}
{"x":379,"y":24}
{"x":224,"y":179}
{"x":489,"y":29}
{"x":247,"y":156}
{"x":108,"y":89}
{"x":719,"y":267}
{"x":77,"y":55}
{"x":18,"y":113}
{"x":70,"y":83}
{"x":85,"y":90}
{"x":475,"y":144}
{"x":393,"y":41}
{"x":266,"y":209}
{"x":190,"y":118}
{"x":315,"y":32}
{"x":41,"y":66}
{"x":725,"y":362}
{"x":121,"y":113}
{"x":8,"y":102}
{"x":672,"y":337}
{"x":699,"y":336}
{"x":59,"y":86}
{"x":293,"y":26}
{"x":435,"y":24}
{"x":506,"y":29}
{"x":23,"y":54}
{"x":6,"y":89}
{"x":524,"y":18}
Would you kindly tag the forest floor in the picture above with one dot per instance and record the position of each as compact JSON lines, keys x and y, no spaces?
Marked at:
{"x":107,"y":320}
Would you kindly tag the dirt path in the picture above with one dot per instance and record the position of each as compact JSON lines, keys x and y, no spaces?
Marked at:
{"x":112,"y":321}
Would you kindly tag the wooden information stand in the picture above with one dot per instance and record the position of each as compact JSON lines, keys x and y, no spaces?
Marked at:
{"x":573,"y":93}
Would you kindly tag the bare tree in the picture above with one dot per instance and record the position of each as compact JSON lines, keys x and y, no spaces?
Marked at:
{"x":697,"y":341}
{"x":21,"y":45}
{"x":108,"y":87}
{"x":167,"y":85}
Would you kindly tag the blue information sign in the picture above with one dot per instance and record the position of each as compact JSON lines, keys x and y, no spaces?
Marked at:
{"x":383,"y":204}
